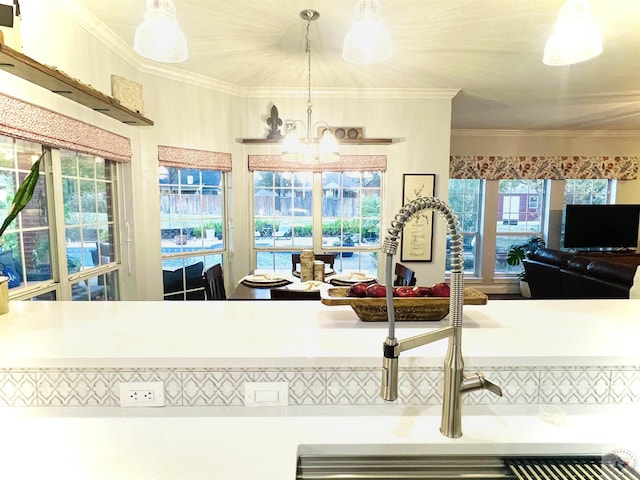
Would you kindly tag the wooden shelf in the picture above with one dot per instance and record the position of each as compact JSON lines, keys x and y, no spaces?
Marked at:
{"x":359,"y":141}
{"x":58,"y":82}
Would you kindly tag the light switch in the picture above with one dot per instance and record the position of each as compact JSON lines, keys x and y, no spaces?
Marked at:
{"x":266,"y":394}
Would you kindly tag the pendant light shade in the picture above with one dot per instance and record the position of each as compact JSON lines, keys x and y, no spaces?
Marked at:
{"x":159,"y":36}
{"x":575,"y":38}
{"x":368,"y":41}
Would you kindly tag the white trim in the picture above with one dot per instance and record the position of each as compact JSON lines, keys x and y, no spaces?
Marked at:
{"x":544,"y":133}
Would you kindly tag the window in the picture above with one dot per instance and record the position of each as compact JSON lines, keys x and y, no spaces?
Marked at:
{"x":25,"y":256}
{"x":88,"y":193}
{"x":465,"y":197}
{"x":351,"y":218}
{"x":192,"y":220}
{"x":284,"y":221}
{"x":517,"y":221}
{"x":86,"y":268}
{"x":591,"y":192}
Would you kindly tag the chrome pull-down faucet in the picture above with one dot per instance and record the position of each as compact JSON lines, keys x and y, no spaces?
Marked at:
{"x":455,"y":381}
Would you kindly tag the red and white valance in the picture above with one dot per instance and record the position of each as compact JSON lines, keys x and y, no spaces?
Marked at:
{"x":19,"y":119}
{"x":547,"y":167}
{"x":347,"y":163}
{"x":192,"y":158}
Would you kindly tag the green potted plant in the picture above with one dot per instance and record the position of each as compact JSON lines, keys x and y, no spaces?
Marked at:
{"x":519,"y":252}
{"x":20,"y":200}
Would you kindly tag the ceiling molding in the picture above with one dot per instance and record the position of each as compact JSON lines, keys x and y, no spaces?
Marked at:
{"x":545,"y":133}
{"x":425,"y":93}
{"x":87,"y":20}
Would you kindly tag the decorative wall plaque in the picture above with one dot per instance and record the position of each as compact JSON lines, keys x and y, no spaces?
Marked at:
{"x":343,"y":133}
{"x":128,"y":93}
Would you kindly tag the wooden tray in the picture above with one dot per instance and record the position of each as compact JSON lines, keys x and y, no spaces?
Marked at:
{"x":412,"y":309}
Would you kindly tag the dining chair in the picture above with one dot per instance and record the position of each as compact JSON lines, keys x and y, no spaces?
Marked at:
{"x":329,"y":259}
{"x":404,"y":276}
{"x":284,"y":294}
{"x":214,"y":283}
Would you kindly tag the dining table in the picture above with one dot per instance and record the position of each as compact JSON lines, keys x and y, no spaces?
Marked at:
{"x":243,"y":291}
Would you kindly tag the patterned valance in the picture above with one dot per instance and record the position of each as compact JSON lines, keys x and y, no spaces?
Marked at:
{"x":347,"y":163}
{"x":191,"y":158}
{"x":551,"y":167}
{"x":30,"y":122}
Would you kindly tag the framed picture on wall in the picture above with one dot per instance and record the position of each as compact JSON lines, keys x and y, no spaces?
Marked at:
{"x":417,"y":235}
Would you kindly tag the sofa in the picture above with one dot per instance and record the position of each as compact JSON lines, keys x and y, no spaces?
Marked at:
{"x":560,"y":274}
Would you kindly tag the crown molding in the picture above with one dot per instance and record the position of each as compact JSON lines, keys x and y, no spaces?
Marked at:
{"x":87,"y":20}
{"x":544,"y":133}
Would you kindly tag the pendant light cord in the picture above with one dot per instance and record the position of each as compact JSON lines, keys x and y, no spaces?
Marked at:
{"x":307,"y":48}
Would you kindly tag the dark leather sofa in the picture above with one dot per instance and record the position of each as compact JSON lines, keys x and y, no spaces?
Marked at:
{"x":558,"y":274}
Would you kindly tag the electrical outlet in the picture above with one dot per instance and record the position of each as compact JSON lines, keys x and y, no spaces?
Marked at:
{"x":141,"y":394}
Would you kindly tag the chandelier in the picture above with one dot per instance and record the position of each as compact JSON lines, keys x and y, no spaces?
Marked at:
{"x":575,"y":38}
{"x":309,"y":150}
{"x":367,"y":42}
{"x":159,"y":36}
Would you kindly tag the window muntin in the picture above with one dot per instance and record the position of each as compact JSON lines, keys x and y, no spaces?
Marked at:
{"x":517,"y":221}
{"x":282,"y":205}
{"x":88,"y":191}
{"x":192,"y":219}
{"x":351,"y":218}
{"x":466,"y":199}
{"x":587,"y":192}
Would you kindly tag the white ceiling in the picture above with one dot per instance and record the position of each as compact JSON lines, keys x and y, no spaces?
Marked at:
{"x":489,"y":49}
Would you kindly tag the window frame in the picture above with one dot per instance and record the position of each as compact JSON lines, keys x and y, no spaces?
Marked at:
{"x":317,"y":221}
{"x":182,"y":260}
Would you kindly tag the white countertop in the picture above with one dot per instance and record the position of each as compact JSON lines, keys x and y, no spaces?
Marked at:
{"x":271,"y":334}
{"x":190,"y":443}
{"x":196,"y":446}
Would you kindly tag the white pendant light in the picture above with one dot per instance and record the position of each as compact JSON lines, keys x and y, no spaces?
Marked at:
{"x":368,"y":41}
{"x":575,"y":38}
{"x":309,"y":150}
{"x":159,"y":36}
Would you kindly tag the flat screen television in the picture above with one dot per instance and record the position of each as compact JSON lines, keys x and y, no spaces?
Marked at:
{"x":601,"y":227}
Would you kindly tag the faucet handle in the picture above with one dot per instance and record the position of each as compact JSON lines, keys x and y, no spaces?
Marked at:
{"x":477,"y":381}
{"x":492,"y":387}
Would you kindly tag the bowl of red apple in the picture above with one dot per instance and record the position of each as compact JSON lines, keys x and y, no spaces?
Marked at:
{"x":419,"y":303}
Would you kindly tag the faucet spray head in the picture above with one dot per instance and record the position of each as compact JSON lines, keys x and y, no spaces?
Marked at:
{"x":389,"y":391}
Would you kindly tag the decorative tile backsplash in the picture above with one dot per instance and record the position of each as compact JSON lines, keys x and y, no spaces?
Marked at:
{"x":318,"y":386}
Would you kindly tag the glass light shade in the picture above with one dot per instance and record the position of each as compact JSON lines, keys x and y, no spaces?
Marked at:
{"x":328,"y":151}
{"x":575,"y":38}
{"x":368,"y":42}
{"x":291,"y":147}
{"x":159,"y":36}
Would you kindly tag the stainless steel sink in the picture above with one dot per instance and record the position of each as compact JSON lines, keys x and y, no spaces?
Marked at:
{"x":474,"y":467}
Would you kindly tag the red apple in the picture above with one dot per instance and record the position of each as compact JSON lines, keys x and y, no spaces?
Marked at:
{"x":440,"y":290}
{"x":422,"y":291}
{"x":358,"y":290}
{"x":406,"y":292}
{"x":376,"y":290}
